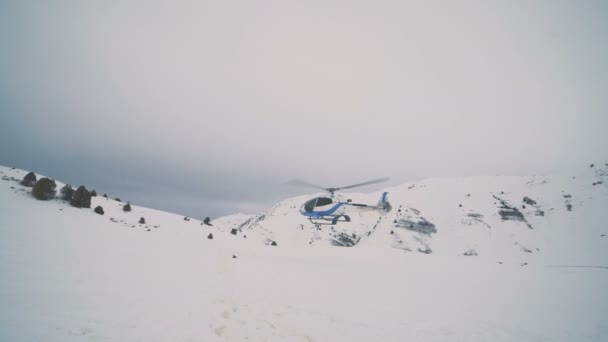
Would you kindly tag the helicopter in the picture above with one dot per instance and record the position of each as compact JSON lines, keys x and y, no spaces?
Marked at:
{"x":329,"y":210}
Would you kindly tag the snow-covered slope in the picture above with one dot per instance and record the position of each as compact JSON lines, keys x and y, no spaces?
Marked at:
{"x":512,"y":218}
{"x":69,"y":274}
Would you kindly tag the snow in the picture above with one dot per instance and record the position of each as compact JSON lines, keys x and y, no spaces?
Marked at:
{"x":68,"y":274}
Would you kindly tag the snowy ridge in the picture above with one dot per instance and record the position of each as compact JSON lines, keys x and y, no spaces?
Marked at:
{"x":69,"y":274}
{"x":500,"y":217}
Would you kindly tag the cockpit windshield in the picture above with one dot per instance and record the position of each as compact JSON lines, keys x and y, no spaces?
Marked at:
{"x":310,"y":205}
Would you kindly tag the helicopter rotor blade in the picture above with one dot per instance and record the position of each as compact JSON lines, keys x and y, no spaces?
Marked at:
{"x":374,"y":181}
{"x":305,"y":184}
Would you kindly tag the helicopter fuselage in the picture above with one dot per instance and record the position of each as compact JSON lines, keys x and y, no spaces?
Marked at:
{"x":321,"y":210}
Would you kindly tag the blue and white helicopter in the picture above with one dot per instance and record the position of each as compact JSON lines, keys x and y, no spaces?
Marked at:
{"x":332,"y":209}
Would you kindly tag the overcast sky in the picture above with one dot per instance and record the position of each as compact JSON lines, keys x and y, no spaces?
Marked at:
{"x":207,"y":108}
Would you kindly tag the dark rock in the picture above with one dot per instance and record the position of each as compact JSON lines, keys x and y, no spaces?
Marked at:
{"x":126,"y":207}
{"x":105,"y":195}
{"x":207,"y":221}
{"x":186,"y":218}
{"x":392,"y":232}
{"x":233,"y":231}
{"x":422,"y":226}
{"x":99,"y":210}
{"x":210,"y":236}
{"x":142,"y":220}
{"x":426,"y":250}
{"x":117,"y":199}
{"x":274,"y":243}
{"x":569,"y":207}
{"x":470,"y":252}
{"x":233,"y":256}
{"x":591,"y":165}
{"x":460,"y":205}
{"x":529,"y":201}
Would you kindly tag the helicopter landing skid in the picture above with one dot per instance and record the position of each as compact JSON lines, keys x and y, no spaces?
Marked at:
{"x":329,"y":220}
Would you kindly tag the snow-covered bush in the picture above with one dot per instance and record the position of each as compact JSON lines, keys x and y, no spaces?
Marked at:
{"x":29,"y":180}
{"x":44,"y":189}
{"x":81,"y":198}
{"x":67,"y":192}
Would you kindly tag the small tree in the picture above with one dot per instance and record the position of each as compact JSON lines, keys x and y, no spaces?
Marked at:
{"x":29,"y":180}
{"x":81,"y":198}
{"x":127,"y":207}
{"x":99,"y":210}
{"x":67,"y":192}
{"x":44,"y":189}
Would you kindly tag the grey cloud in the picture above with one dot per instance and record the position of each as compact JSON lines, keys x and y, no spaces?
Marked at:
{"x":218,"y":104}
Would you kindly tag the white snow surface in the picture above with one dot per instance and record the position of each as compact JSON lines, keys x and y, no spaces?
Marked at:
{"x":69,"y":274}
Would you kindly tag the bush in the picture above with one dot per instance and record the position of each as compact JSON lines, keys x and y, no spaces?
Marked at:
{"x":67,"y":192}
{"x":29,"y":180}
{"x":117,"y":199}
{"x":142,"y":220}
{"x":44,"y":189}
{"x":93,"y":193}
{"x":127,"y":207}
{"x":81,"y":198}
{"x":207,"y":221}
{"x":99,"y":210}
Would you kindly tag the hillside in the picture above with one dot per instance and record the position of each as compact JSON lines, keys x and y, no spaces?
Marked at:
{"x":514,"y":218}
{"x":539,"y":272}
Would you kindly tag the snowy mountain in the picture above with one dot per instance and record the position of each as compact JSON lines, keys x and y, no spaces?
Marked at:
{"x":475,"y":259}
{"x":516,"y":218}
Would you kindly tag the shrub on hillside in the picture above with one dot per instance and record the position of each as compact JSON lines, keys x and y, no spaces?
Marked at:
{"x":99,"y":210}
{"x":207,"y":221}
{"x":127,"y":207}
{"x":81,"y":198}
{"x":142,"y":220}
{"x":29,"y":180}
{"x":44,"y":189}
{"x":67,"y":192}
{"x":93,"y":193}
